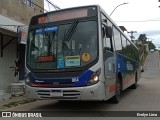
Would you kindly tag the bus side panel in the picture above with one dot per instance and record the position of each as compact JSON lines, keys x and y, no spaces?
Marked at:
{"x":127,"y":67}
{"x":121,"y":68}
{"x":133,"y":67}
{"x":109,"y":74}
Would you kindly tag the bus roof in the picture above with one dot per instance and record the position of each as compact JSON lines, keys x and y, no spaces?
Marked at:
{"x":79,"y":7}
{"x":66,"y":9}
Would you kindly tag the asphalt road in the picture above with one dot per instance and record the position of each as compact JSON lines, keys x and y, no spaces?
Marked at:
{"x":145,"y":98}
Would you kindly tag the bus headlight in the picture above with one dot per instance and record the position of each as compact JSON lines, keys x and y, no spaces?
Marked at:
{"x":27,"y":81}
{"x":94,"y":78}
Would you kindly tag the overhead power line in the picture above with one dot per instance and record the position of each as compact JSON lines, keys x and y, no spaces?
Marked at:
{"x":38,"y":6}
{"x":141,"y":21}
{"x":55,"y":6}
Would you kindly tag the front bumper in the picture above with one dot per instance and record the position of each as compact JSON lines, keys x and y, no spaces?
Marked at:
{"x":94,"y":92}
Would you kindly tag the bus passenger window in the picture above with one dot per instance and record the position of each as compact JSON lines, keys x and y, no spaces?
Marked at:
{"x":117,"y":40}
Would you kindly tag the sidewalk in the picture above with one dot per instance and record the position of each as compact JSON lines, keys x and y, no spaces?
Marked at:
{"x":14,"y":101}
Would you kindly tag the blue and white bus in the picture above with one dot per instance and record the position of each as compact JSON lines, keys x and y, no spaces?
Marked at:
{"x":79,"y":54}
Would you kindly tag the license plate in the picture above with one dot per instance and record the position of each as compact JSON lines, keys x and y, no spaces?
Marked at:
{"x":56,"y":93}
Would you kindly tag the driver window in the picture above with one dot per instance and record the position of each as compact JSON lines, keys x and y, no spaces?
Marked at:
{"x":107,"y":42}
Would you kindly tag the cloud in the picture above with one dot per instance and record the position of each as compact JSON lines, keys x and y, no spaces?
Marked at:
{"x":151,"y":32}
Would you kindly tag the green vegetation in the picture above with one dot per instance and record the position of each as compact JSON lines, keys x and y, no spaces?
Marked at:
{"x":17,"y":103}
{"x":144,"y":58}
{"x":143,"y":39}
{"x":151,"y":45}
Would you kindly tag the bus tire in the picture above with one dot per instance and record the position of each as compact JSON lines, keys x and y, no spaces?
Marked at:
{"x":134,"y":86}
{"x":117,"y":95}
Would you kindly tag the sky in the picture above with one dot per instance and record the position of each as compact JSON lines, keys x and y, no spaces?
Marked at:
{"x":142,"y":16}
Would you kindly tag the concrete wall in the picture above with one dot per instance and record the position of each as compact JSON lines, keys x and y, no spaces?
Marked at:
{"x":19,"y":11}
{"x":9,"y":55}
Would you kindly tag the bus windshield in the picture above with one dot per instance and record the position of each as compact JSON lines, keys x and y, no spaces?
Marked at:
{"x":62,"y":46}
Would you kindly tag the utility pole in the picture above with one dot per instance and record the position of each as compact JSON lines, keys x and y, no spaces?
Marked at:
{"x":117,"y":7}
{"x":132,"y":37}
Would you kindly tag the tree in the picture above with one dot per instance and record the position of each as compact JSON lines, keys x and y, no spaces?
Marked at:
{"x":151,"y":45}
{"x":143,"y":38}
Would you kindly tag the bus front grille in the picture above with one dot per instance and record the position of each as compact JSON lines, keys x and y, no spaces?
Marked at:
{"x":67,"y":94}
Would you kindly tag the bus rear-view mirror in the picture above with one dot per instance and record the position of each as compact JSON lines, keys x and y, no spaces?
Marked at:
{"x":108,"y":31}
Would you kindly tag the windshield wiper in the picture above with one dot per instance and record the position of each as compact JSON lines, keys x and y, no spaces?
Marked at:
{"x":71,"y":30}
{"x":68,"y":35}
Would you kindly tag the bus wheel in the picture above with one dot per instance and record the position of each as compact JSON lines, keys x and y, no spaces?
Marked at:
{"x":134,"y":86}
{"x":117,"y":95}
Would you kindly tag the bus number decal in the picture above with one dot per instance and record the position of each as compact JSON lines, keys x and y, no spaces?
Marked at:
{"x":75,"y":79}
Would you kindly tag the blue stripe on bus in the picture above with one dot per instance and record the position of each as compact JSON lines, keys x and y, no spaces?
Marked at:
{"x":78,"y":81}
{"x":47,"y":29}
{"x":125,"y":65}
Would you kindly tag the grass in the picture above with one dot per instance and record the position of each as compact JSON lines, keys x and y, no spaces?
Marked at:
{"x":17,"y":103}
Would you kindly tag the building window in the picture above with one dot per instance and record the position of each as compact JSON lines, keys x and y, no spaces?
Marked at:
{"x":28,"y":2}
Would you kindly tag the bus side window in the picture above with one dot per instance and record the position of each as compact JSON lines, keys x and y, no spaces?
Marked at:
{"x":107,"y":34}
{"x":124,"y":44}
{"x":117,"y":39}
